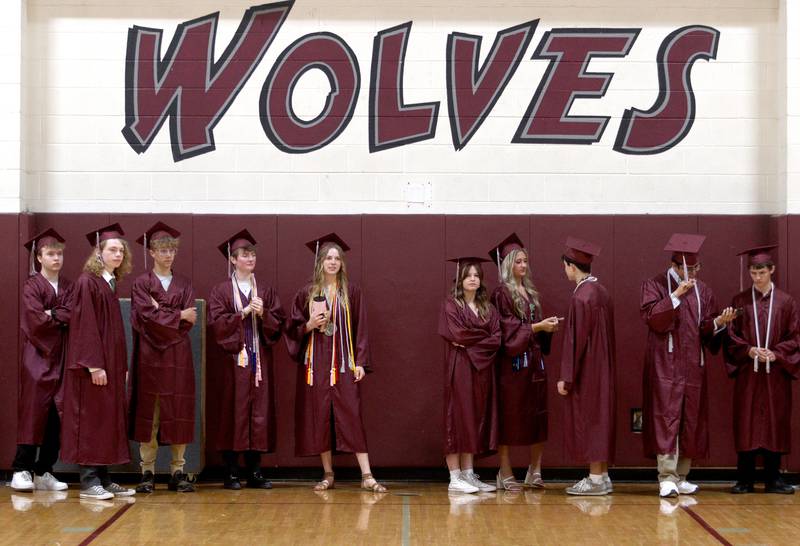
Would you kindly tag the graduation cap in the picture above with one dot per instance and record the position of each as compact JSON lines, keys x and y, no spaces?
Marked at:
{"x":97,"y":236}
{"x":466,"y":260}
{"x":315,"y":244}
{"x":580,"y":251}
{"x":241,"y":239}
{"x":504,"y":248}
{"x":159,"y":230}
{"x":46,"y":238}
{"x":757,"y":255}
{"x":685,"y":248}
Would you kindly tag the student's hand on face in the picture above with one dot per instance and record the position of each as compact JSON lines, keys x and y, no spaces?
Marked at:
{"x":99,"y":378}
{"x":562,"y":388}
{"x":684,"y":287}
{"x":359,"y":373}
{"x":189,"y":315}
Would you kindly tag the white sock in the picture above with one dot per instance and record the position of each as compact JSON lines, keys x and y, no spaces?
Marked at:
{"x":605,"y":476}
{"x":596,"y":478}
{"x":455,"y":475}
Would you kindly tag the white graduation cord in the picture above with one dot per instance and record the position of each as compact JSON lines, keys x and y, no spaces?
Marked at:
{"x":699,"y":311}
{"x":769,"y":324}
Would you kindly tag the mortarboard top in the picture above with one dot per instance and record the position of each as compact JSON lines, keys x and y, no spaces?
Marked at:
{"x":685,"y":246}
{"x":241,"y":239}
{"x":468,"y":259}
{"x":510,"y":243}
{"x":159,"y":230}
{"x":315,"y":244}
{"x":97,"y":236}
{"x":759,"y":254}
{"x":580,"y":251}
{"x":47,"y":237}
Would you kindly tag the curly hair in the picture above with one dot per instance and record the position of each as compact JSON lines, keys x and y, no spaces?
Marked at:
{"x":94,"y":263}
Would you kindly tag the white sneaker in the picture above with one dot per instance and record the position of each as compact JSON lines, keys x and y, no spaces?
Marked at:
{"x":609,"y":485}
{"x":96,"y":492}
{"x":48,"y":482}
{"x":457,"y":485}
{"x":687,"y":488}
{"x":474,"y":480}
{"x":22,"y":481}
{"x":119,"y":491}
{"x":667,"y":490}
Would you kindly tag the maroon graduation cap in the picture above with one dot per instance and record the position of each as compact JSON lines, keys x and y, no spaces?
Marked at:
{"x":506,"y":246}
{"x":43,"y":239}
{"x":159,"y":230}
{"x":580,"y":251}
{"x":240,"y":239}
{"x":315,"y":244}
{"x":685,"y":247}
{"x":755,"y":256}
{"x":97,"y":236}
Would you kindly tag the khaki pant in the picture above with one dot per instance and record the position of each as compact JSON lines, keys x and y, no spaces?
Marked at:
{"x":149,"y":450}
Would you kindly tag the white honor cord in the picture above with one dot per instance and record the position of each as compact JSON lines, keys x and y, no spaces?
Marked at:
{"x":585,"y":279}
{"x":769,"y":324}
{"x":699,"y":312}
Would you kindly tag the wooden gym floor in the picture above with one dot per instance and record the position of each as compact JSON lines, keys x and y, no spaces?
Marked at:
{"x":419,"y":513}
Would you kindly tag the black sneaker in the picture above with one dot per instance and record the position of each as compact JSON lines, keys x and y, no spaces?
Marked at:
{"x":742,"y":487}
{"x":780,"y":487}
{"x":148,"y":483}
{"x":231,"y":482}
{"x":180,"y":482}
{"x":257,"y":481}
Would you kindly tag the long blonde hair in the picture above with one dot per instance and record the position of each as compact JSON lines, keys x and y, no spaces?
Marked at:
{"x":510,"y":281}
{"x":94,"y":263}
{"x":317,"y":287}
{"x":481,"y":296}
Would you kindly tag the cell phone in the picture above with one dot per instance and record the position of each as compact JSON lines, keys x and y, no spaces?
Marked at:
{"x":319,"y":306}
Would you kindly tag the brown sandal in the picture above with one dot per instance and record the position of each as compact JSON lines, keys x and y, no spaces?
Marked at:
{"x":326,"y":483}
{"x":375,"y":487}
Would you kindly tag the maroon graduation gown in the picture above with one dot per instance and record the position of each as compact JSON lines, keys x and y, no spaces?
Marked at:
{"x":247,"y":419}
{"x":44,"y":344}
{"x":94,"y":426}
{"x":675,"y":404}
{"x":522,"y":392}
{"x":587,"y":367}
{"x":162,"y":366}
{"x":317,"y":404}
{"x":470,"y":397}
{"x":762,"y":402}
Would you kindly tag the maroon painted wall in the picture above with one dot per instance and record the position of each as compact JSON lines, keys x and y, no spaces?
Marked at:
{"x":399,"y":261}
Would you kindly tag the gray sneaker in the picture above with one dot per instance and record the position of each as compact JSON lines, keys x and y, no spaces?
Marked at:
{"x":96,"y":492}
{"x":586,"y":487}
{"x":119,"y":491}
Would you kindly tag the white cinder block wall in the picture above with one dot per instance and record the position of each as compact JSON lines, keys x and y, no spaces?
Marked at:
{"x":62,"y":104}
